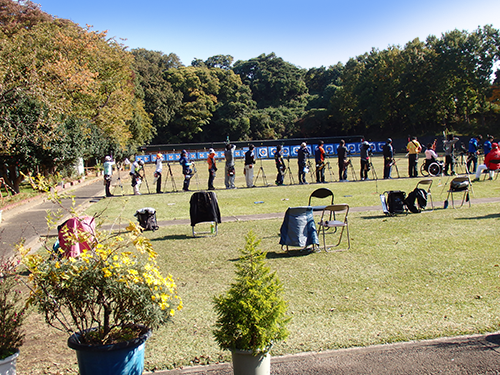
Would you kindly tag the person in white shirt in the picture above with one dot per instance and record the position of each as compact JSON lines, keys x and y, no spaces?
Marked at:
{"x":158,"y":170}
{"x":108,"y":173}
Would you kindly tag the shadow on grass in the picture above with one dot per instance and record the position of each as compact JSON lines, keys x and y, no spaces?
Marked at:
{"x":378,"y":217}
{"x":287,"y":254}
{"x":490,"y":216}
{"x":172,"y":237}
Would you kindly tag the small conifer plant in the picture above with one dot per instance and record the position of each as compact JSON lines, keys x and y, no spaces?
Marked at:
{"x":252,"y":313}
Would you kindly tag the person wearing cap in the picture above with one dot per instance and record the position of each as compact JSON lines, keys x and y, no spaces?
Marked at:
{"x":491,"y":162}
{"x":319,"y":156}
{"x":388,"y":153}
{"x":302,"y":154}
{"x":186,"y":169}
{"x":230,"y":171}
{"x":487,"y":144}
{"x":212,"y":168}
{"x":158,"y":170}
{"x":249,"y":163}
{"x":135,"y":175}
{"x":108,"y":173}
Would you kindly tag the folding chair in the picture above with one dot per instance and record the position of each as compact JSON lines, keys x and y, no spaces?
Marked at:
{"x":320,"y":193}
{"x":205,"y":208}
{"x":298,"y":228}
{"x":324,"y":225}
{"x":459,"y":185}
{"x":427,"y":182}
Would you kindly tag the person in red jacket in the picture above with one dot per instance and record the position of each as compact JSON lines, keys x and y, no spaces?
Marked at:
{"x":491,"y":162}
{"x":211,"y":169}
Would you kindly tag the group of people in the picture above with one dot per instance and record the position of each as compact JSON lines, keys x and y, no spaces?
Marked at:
{"x":414,"y":148}
{"x":490,"y":149}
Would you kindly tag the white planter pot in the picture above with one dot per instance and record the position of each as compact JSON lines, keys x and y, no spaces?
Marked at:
{"x":244,"y":363}
{"x":8,"y":365}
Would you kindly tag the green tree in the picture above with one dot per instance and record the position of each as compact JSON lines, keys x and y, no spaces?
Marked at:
{"x":54,"y":72}
{"x":160,"y":100}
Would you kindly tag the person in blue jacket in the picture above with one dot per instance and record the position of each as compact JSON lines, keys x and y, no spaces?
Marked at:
{"x":186,"y":169}
{"x":473,"y":152}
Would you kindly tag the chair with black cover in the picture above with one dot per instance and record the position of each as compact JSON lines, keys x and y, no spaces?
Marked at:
{"x":459,"y":185}
{"x":426,"y":185}
{"x":204,"y":208}
{"x":338,"y":210}
{"x":320,"y":193}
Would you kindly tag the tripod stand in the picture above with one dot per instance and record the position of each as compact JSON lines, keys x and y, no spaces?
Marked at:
{"x":264,"y":178}
{"x":118,"y":167}
{"x":171,"y":176}
{"x":351,"y":168}
{"x":144,"y":178}
{"x":310,"y":168}
{"x":374,"y":172}
{"x":330,"y":170}
{"x":395,"y":165}
{"x":289,"y":171}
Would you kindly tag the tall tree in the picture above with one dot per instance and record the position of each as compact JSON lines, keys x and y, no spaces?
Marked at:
{"x":160,"y":100}
{"x":54,"y":71}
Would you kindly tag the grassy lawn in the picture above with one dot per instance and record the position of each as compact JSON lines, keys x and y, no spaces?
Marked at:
{"x":405,"y":278}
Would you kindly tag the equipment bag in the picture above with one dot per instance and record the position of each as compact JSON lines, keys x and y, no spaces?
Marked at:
{"x":418,"y":195}
{"x":459,"y":186}
{"x":395,"y":201}
{"x":147,"y":218}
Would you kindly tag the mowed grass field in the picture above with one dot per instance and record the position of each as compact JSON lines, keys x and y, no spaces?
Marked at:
{"x":406,"y":277}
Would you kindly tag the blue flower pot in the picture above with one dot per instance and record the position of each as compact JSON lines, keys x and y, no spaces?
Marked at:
{"x":124,"y":358}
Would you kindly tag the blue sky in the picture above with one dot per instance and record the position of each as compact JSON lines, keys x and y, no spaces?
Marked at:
{"x":308,"y":34}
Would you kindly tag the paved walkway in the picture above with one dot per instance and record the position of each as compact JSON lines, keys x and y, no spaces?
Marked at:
{"x":468,"y":355}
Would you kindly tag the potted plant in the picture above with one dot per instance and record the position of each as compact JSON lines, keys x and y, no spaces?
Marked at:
{"x":12,"y":314}
{"x":108,"y":298}
{"x":251,"y":315}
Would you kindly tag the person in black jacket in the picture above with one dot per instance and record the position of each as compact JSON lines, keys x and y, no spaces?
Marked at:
{"x":249,"y":164}
{"x":302,"y":154}
{"x":342,"y":160}
{"x":388,"y":152}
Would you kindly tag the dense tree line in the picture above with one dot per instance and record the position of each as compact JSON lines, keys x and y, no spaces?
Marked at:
{"x":422,"y":88}
{"x":68,"y":92}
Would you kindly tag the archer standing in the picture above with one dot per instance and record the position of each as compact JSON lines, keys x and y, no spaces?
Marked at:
{"x":249,"y":163}
{"x":413,"y":147}
{"x":230,"y":171}
{"x":136,"y":176}
{"x":212,"y":168}
{"x":449,"y":156}
{"x":302,"y":155}
{"x":186,"y":169}
{"x":364,"y":153}
{"x":108,"y":173}
{"x":319,"y":156}
{"x":388,"y":153}
{"x":342,"y":160}
{"x":158,"y":171}
{"x":280,"y":165}
{"x":473,"y":152}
